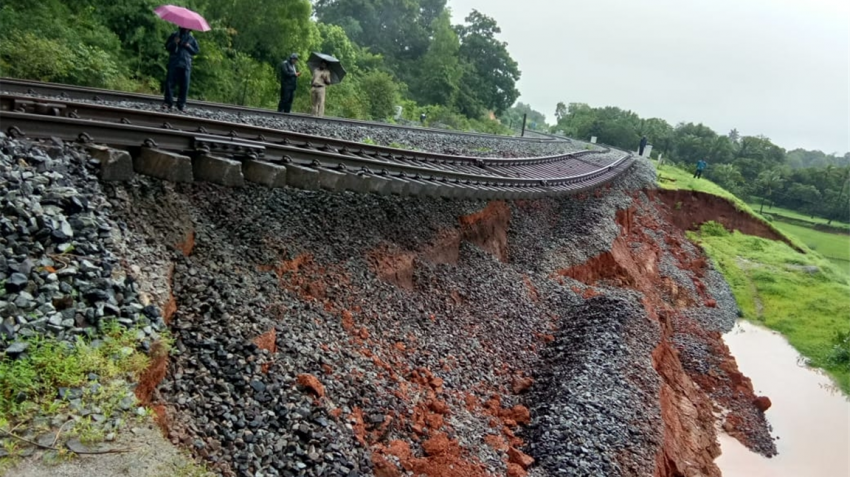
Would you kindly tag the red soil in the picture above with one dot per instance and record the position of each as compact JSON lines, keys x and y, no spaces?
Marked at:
{"x":187,"y":244}
{"x":689,"y":435}
{"x":392,"y":265}
{"x":154,"y":373}
{"x":311,"y":383}
{"x":488,"y":229}
{"x":689,"y":209}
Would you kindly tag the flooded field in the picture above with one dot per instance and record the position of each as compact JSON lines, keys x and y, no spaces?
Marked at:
{"x":810,"y":416}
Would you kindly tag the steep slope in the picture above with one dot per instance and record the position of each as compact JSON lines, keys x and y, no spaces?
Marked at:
{"x":341,"y":334}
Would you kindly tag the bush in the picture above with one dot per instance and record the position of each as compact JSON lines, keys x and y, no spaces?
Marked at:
{"x":840,"y":354}
{"x":380,"y":92}
{"x":713,"y":229}
{"x":24,"y":55}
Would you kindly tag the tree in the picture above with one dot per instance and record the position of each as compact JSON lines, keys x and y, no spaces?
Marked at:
{"x":536,"y":119}
{"x":439,"y":76}
{"x":734,"y":136}
{"x":767,"y":184}
{"x":381,"y":92}
{"x":400,"y":30}
{"x":560,"y":111}
{"x":268,"y":30}
{"x":840,"y":206}
{"x":490,"y":80}
{"x":803,"y":197}
{"x":726,"y":176}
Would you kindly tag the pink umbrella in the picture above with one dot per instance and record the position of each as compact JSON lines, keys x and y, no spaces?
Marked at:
{"x":182,"y":17}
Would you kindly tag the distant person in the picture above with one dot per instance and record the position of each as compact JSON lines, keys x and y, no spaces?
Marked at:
{"x":181,"y":46}
{"x":701,"y":165}
{"x":288,"y":75}
{"x":321,"y":79}
{"x":422,"y":118}
{"x":642,"y":146}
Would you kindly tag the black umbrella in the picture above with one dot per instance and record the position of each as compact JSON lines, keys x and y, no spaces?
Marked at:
{"x":334,"y":66}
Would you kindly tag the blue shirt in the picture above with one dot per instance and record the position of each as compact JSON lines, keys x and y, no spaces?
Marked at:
{"x":701,"y":165}
{"x":181,"y":48}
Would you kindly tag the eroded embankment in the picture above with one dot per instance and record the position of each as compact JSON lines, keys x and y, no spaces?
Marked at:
{"x":689,"y":209}
{"x":339,"y":334}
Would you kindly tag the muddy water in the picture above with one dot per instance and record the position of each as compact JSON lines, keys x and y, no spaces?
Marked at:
{"x":809,"y":415}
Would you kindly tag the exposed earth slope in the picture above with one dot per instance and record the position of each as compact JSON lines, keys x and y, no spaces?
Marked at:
{"x":342,"y":334}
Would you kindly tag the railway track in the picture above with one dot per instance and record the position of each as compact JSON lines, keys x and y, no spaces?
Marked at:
{"x":71,"y":92}
{"x":313,"y":162}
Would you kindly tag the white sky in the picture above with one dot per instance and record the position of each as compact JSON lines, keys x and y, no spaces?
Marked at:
{"x":780,"y":68}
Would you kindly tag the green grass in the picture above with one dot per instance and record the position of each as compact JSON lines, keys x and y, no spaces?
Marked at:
{"x":799,"y":216}
{"x":29,"y":384}
{"x":673,"y":178}
{"x":835,"y":247}
{"x":771,"y":287}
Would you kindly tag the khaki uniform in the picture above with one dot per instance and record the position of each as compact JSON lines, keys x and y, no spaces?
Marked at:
{"x":321,"y":78}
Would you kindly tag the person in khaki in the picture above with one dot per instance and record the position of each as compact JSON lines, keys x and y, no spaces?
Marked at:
{"x":321,"y":79}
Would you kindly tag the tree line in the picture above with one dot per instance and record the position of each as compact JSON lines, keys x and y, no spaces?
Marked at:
{"x":751,"y":167}
{"x":397,"y":52}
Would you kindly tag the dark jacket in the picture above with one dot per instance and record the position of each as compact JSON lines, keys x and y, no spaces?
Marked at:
{"x":288,"y":75}
{"x":181,"y":55}
{"x":643,"y":141}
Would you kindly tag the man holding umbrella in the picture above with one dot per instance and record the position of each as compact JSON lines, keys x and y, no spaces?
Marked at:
{"x":181,"y":46}
{"x":321,"y":78}
{"x":326,"y":71}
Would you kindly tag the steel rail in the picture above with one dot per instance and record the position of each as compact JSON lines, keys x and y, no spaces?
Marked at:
{"x":10,"y":102}
{"x":18,"y":86}
{"x":127,"y":135}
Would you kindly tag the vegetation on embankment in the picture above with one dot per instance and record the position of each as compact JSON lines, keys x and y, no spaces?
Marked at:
{"x":672,"y":178}
{"x":832,"y":246}
{"x":801,"y":296}
{"x":409,"y":55}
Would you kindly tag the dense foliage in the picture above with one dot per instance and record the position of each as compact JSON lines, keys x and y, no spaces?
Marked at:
{"x":397,"y":52}
{"x":753,"y":167}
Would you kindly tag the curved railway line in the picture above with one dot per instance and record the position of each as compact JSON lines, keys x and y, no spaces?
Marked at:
{"x":71,"y":92}
{"x":309,"y":162}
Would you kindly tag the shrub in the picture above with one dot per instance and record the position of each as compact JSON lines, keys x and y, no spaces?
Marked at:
{"x":713,"y":229}
{"x":380,"y":91}
{"x":24,"y":55}
{"x":840,"y":354}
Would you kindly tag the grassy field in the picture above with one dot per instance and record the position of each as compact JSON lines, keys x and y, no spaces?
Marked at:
{"x":673,"y":178}
{"x":798,"y":216}
{"x":835,"y":247}
{"x":804,"y":296}
{"x":800,"y":296}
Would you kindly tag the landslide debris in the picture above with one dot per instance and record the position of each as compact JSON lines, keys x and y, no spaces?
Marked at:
{"x":342,"y":334}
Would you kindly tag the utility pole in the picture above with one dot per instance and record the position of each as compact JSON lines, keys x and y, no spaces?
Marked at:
{"x":524,"y":117}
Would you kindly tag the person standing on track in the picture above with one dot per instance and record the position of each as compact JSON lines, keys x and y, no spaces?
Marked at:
{"x":288,"y":76}
{"x":701,"y":165}
{"x":321,"y":79}
{"x":181,"y":46}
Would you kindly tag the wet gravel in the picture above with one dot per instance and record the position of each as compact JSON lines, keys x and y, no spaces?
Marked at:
{"x":299,"y":261}
{"x":596,"y":407}
{"x":360,"y":353}
{"x":61,"y":279}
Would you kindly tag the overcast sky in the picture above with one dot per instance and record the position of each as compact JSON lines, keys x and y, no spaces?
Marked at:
{"x":780,"y":68}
